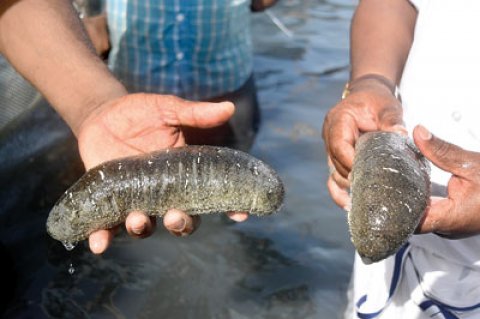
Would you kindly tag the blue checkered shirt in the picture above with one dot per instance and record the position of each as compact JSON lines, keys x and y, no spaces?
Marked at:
{"x":196,"y":49}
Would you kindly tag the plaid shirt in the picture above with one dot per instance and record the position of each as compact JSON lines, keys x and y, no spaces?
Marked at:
{"x":195,"y":49}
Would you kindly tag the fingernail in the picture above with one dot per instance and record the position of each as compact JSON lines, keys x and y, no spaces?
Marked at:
{"x":347,"y":208}
{"x":400,"y":129}
{"x":178,"y":226}
{"x":139,"y":230}
{"x":237,"y":216}
{"x":423,"y":133}
{"x":97,"y":246}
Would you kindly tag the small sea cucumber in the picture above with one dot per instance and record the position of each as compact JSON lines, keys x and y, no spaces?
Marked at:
{"x":195,"y":179}
{"x":390,"y":192}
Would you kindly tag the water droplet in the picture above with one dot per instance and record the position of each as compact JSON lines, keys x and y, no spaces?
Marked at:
{"x":68,"y":245}
{"x":71,"y":269}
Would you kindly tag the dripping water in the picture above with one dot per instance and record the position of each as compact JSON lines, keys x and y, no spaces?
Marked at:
{"x":71,"y":269}
{"x":69,"y":245}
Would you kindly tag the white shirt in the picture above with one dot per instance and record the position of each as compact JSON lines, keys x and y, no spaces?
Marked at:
{"x":441,"y":81}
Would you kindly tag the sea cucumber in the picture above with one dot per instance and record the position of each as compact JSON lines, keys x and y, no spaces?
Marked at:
{"x":195,"y":179}
{"x":390,"y":191}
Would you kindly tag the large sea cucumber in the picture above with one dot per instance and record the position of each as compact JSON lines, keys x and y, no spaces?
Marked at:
{"x":195,"y":179}
{"x":390,"y":191}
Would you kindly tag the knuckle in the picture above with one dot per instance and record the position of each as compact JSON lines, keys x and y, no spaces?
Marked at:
{"x":327,"y":123}
{"x":441,"y":149}
{"x":390,"y":115}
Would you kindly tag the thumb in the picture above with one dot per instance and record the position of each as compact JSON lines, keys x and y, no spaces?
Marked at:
{"x":448,"y":157}
{"x":202,"y":114}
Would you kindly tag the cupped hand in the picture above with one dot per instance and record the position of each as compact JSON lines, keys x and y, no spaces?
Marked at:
{"x":371,"y":107}
{"x":457,"y":215}
{"x":140,"y":123}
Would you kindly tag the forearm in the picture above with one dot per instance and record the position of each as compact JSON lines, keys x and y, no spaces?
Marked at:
{"x":46,"y":43}
{"x":381,"y":37}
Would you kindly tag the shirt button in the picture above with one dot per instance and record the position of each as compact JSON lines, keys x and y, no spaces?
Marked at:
{"x":180,"y":17}
{"x":457,"y":116}
{"x":180,"y":56}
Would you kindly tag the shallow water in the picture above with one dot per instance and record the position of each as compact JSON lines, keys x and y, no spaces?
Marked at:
{"x":295,"y":264}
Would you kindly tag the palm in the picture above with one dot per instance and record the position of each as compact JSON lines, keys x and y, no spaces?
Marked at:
{"x":457,"y":214}
{"x":137,"y":124}
{"x":141,"y":123}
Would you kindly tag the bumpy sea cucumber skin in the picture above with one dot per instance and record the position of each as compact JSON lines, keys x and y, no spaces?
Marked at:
{"x":390,"y":191}
{"x":195,"y":179}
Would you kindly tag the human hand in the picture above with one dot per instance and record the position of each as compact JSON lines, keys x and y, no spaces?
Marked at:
{"x":457,"y":215}
{"x":370,"y":106}
{"x":140,"y":123}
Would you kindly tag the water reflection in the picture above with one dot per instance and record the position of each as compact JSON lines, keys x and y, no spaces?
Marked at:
{"x":295,"y":264}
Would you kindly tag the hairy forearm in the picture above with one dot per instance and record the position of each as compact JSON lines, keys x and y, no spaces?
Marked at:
{"x":381,"y":37}
{"x":46,"y":43}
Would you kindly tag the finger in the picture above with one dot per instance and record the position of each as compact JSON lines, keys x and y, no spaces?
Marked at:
{"x":238,"y":216}
{"x":399,"y":128}
{"x":442,"y":154}
{"x":100,"y":240}
{"x":436,"y":216}
{"x":339,"y":195}
{"x":338,"y":176}
{"x":341,"y":149}
{"x":139,"y":225}
{"x":341,"y":181}
{"x":335,"y":165}
{"x":180,"y":224}
{"x":201,"y":114}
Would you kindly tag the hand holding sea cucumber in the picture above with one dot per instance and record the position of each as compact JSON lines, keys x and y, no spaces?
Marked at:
{"x":457,"y":215}
{"x":137,"y":124}
{"x":197,"y":179}
{"x":370,"y":107}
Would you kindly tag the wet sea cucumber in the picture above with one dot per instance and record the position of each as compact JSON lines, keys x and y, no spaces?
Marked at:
{"x":390,"y":191}
{"x":195,"y":179}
